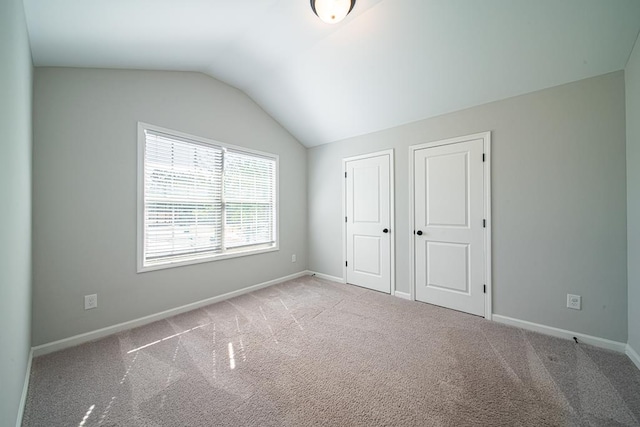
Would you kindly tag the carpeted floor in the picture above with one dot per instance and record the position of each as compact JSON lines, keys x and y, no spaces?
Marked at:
{"x":310,"y":352}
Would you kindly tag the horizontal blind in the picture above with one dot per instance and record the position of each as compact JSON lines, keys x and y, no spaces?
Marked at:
{"x":182,"y":199}
{"x":250,"y":198}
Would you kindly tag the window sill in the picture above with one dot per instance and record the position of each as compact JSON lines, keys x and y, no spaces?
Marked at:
{"x":212,"y":258}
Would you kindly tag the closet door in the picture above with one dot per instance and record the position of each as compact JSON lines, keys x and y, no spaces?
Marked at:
{"x":368,"y":221}
{"x":449,"y":226}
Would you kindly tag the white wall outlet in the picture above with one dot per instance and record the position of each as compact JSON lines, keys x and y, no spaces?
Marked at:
{"x":90,"y":301}
{"x":574,"y":301}
{"x":293,"y":258}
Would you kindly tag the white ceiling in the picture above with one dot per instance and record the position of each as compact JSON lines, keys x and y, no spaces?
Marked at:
{"x":389,"y":62}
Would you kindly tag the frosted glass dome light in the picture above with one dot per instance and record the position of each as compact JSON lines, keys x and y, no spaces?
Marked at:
{"x":332,"y":11}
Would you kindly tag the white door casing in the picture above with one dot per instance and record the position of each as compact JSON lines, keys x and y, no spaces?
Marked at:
{"x":451,"y":260}
{"x":368,"y":209}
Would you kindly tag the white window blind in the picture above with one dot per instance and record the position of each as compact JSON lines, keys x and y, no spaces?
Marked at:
{"x":249,"y":192}
{"x":203,"y":200}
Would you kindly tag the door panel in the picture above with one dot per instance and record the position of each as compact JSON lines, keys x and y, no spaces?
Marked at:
{"x":366,"y":189}
{"x":446,"y":181}
{"x":366,"y":255}
{"x":449,"y":210}
{"x":368,"y":207}
{"x":448,"y":266}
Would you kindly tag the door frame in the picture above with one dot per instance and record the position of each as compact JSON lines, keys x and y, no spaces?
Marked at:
{"x":486,"y":138}
{"x":392,"y":210}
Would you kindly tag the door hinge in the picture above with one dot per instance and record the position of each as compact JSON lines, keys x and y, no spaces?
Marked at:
{"x":345,"y":219}
{"x":483,"y":157}
{"x":484,"y":223}
{"x":345,"y":174}
{"x":484,"y":288}
{"x":346,"y":263}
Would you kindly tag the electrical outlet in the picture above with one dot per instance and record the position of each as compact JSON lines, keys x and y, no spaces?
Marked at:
{"x":574,"y":301}
{"x":90,"y":301}
{"x":293,"y":258}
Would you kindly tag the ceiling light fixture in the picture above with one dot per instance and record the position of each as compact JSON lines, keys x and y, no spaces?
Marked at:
{"x":332,"y":11}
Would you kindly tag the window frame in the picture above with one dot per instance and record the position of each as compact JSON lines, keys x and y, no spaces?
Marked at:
{"x":140,"y":221}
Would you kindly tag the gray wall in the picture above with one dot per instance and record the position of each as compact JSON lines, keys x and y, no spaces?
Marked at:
{"x":559,"y":201}
{"x":85,"y":194}
{"x":632,"y":80}
{"x":15,"y":207}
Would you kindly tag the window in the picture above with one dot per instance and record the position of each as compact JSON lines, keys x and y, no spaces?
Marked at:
{"x":200,"y":200}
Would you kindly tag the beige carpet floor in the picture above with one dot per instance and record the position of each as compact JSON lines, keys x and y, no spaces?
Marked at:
{"x":310,"y":352}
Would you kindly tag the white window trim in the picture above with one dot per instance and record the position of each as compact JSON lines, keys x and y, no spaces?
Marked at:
{"x":140,"y":202}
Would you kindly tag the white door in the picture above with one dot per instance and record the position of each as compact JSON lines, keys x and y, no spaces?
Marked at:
{"x":368,"y":221}
{"x":449,"y":226}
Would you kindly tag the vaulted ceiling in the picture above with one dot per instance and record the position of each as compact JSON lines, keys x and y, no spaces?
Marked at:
{"x":388,"y":63}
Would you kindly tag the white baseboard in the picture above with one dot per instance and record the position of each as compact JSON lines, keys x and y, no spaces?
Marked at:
{"x":25,"y":389}
{"x":633,"y":355}
{"x":110,"y":330}
{"x":562,"y":333}
{"x":326,"y":276}
{"x":402,"y":295}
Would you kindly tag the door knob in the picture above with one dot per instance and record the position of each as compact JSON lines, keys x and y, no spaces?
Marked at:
{"x":419,"y":232}
{"x":386,"y":230}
